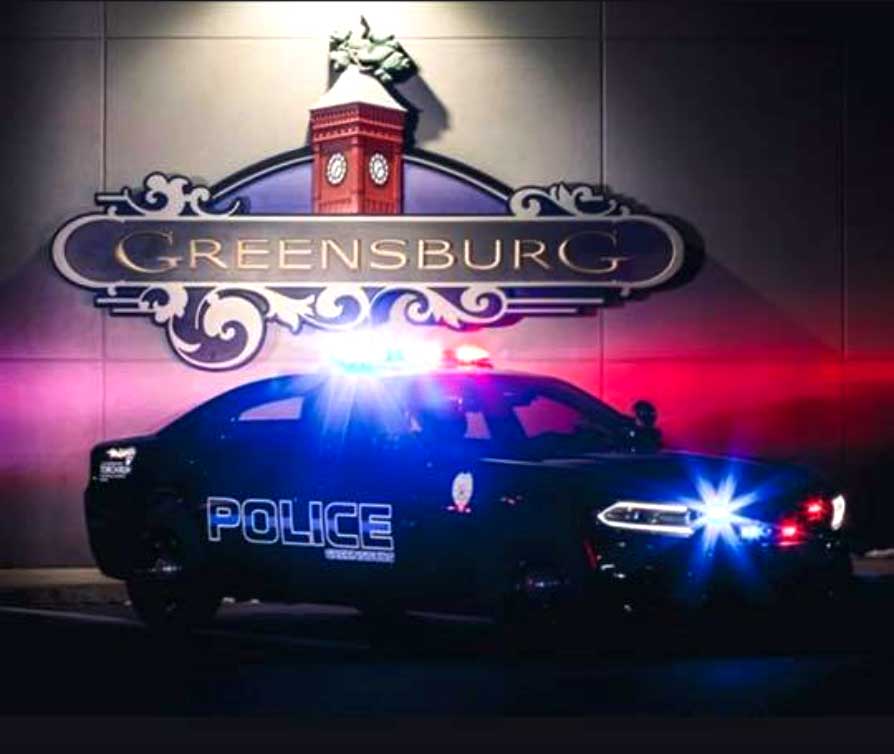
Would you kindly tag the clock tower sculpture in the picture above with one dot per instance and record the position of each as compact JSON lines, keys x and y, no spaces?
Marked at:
{"x":357,"y":129}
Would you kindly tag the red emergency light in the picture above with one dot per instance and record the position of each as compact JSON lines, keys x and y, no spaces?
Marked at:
{"x":790,"y":532}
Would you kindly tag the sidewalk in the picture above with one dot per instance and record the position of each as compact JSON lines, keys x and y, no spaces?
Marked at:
{"x":73,"y":586}
{"x":58,"y":586}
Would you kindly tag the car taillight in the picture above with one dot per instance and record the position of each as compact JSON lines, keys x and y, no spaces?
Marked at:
{"x":790,"y":532}
{"x":839,"y":507}
{"x":816,"y":510}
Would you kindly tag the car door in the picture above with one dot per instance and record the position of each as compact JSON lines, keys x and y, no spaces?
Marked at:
{"x":362,"y":485}
{"x":258,"y":480}
{"x":443,"y":525}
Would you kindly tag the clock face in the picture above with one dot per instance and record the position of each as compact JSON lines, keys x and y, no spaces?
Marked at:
{"x":378,"y":169}
{"x":336,"y":168}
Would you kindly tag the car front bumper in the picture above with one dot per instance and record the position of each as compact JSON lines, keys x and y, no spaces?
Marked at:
{"x":657,"y":571}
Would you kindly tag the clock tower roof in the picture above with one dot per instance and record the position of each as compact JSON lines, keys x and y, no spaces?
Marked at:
{"x":352,"y":87}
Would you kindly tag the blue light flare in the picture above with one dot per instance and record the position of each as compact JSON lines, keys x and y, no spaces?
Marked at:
{"x":717,"y":511}
{"x":752,"y":532}
{"x":368,"y":352}
{"x":720,"y":522}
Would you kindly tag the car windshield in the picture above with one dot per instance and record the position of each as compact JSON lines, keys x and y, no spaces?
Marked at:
{"x":522,"y":415}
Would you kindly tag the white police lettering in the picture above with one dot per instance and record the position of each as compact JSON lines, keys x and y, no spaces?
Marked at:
{"x":357,"y":532}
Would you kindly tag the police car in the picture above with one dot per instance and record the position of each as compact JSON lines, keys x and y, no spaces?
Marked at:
{"x":448,"y":486}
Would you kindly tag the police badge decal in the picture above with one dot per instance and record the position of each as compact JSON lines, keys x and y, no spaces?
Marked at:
{"x":462,"y":488}
{"x":356,"y":228}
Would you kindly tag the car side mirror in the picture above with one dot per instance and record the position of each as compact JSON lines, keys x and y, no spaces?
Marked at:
{"x":646,"y":414}
{"x":647,"y":437}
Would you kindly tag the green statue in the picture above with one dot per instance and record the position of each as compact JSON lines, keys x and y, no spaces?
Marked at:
{"x":382,"y":57}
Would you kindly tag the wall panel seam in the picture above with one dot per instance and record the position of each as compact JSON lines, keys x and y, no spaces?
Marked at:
{"x":316,"y":37}
{"x":844,"y":294}
{"x":602,"y":330}
{"x":104,"y":130}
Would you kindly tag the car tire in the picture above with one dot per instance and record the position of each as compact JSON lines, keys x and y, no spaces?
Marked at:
{"x":165,"y":595}
{"x":821,"y":612}
{"x":529,"y":621}
{"x":172,"y":607}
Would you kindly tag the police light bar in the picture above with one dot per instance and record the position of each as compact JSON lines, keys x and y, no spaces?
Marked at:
{"x":371,"y":353}
{"x":467,"y":356}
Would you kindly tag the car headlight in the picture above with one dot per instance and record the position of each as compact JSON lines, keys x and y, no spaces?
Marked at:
{"x":658,"y":518}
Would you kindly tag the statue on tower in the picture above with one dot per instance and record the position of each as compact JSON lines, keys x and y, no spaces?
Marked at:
{"x":358,"y":127}
{"x":379,"y":56}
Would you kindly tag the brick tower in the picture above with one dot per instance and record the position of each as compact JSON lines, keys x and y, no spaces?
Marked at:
{"x":357,"y":135}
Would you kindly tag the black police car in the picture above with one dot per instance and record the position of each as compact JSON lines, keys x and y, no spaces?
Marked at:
{"x":457,"y":488}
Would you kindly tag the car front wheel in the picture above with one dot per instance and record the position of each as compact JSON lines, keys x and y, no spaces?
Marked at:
{"x":174,"y":606}
{"x":166,"y":596}
{"x":534,"y":614}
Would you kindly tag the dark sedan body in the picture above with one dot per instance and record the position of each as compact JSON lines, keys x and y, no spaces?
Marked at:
{"x":459,"y":489}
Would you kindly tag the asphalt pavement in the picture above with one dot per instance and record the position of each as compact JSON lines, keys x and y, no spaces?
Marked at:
{"x":96,"y":659}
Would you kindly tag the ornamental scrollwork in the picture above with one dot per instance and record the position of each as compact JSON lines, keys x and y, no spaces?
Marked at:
{"x":578,"y":200}
{"x":224,"y":326}
{"x":164,"y":198}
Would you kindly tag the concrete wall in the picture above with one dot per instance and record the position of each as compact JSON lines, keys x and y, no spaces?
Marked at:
{"x":767,"y":128}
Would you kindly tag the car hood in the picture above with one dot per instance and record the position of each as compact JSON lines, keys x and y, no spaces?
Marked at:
{"x":666,"y":477}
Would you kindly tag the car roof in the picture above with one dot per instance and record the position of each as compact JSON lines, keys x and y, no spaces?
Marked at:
{"x":285,"y":384}
{"x":294,"y":384}
{"x":408,"y":374}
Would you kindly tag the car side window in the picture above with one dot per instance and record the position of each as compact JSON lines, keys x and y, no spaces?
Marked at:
{"x":476,"y":426}
{"x":272,"y":419}
{"x":282,"y":409}
{"x":449,"y":425}
{"x":544,"y":415}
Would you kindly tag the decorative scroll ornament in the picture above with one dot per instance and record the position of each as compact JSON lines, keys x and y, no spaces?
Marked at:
{"x":474,"y":305}
{"x":561,"y":198}
{"x":164,"y":198}
{"x":224,"y":326}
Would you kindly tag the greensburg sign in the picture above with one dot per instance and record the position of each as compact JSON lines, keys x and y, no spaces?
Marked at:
{"x":353,"y":229}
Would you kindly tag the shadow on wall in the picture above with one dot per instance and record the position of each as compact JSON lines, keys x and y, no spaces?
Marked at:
{"x":426,"y":119}
{"x":870,"y":448}
{"x":871,"y":503}
{"x":694,"y":253}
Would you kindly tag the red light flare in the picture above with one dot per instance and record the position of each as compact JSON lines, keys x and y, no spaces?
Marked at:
{"x":593,"y":557}
{"x":790,"y":533}
{"x":467,"y":355}
{"x":816,"y":510}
